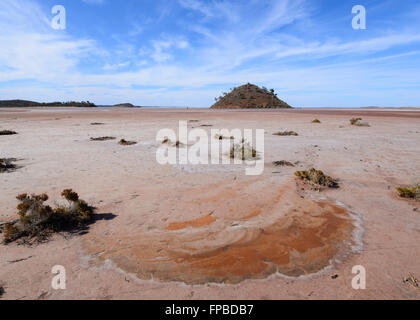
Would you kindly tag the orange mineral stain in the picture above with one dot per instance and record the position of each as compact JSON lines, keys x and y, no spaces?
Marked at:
{"x":196,"y":223}
{"x":294,"y":236}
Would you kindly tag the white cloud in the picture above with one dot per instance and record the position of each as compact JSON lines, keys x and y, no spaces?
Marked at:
{"x":30,"y":49}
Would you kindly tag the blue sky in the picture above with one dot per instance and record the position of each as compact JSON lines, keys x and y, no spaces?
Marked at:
{"x":186,"y":52}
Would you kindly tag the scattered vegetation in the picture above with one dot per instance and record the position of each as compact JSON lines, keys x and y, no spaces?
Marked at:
{"x":283,"y":163}
{"x":316,"y":178}
{"x":97,"y":124}
{"x":7,"y":133}
{"x":316,"y":121}
{"x":124,"y":142}
{"x":103,"y":138}
{"x":38,"y":221}
{"x":285,"y":133}
{"x":409,"y":193}
{"x":243,"y":151}
{"x":7,"y":165}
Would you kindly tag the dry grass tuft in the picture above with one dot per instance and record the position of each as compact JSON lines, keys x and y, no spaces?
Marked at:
{"x":409,"y":193}
{"x":221,"y":137}
{"x":38,"y":221}
{"x":353,"y":121}
{"x":285,"y":133}
{"x":316,"y":178}
{"x":243,"y":151}
{"x":7,"y":133}
{"x":358,"y":122}
{"x":283,"y":163}
{"x":124,"y":142}
{"x":412,"y":281}
{"x":102,"y":139}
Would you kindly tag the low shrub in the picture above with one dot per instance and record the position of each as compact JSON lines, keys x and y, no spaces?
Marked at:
{"x":102,"y":139}
{"x":316,"y":121}
{"x":221,"y":137}
{"x":409,"y":193}
{"x":353,"y":121}
{"x":7,"y":165}
{"x":283,"y":163}
{"x":316,"y":178}
{"x":243,"y":151}
{"x":124,"y":142}
{"x":7,"y":133}
{"x":285,"y":133}
{"x":38,"y":221}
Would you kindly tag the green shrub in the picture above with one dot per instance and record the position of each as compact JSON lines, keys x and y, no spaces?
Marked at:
{"x":38,"y":221}
{"x":409,"y":193}
{"x":316,"y":178}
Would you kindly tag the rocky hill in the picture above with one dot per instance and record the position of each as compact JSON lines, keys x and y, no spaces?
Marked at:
{"x":249,"y":96}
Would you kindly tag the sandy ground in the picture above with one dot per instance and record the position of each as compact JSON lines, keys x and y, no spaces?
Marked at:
{"x":210,"y":231}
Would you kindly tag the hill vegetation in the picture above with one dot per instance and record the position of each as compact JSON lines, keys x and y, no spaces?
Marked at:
{"x":249,"y":96}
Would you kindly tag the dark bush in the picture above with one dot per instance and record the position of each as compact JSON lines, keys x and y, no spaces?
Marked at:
{"x":103,"y":138}
{"x":285,"y":133}
{"x":124,"y":142}
{"x":7,"y":133}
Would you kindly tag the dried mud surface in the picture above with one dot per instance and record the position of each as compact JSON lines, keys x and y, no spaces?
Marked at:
{"x":211,"y":232}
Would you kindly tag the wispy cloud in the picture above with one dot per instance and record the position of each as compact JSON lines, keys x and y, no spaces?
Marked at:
{"x":208,"y":46}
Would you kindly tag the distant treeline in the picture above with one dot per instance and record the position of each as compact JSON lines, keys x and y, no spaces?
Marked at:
{"x":25,"y":103}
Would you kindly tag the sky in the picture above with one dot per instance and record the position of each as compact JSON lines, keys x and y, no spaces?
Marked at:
{"x":187,"y":52}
